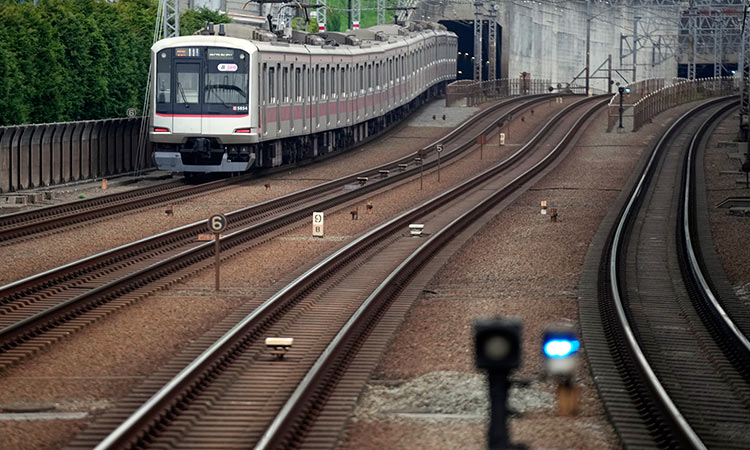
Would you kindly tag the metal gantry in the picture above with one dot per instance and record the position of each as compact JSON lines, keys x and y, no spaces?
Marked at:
{"x":321,"y":14}
{"x":492,"y":42}
{"x":478,"y":6}
{"x":744,"y":65}
{"x":381,"y":12}
{"x":356,"y":13}
{"x":171,"y":18}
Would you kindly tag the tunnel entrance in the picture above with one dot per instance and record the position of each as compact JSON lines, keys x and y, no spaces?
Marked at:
{"x":465,"y":31}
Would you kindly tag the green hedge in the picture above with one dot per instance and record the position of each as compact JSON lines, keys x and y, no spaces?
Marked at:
{"x":66,"y":60}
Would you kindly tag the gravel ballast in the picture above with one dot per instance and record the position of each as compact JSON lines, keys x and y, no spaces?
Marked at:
{"x":91,"y":369}
{"x":426,"y":392}
{"x":521,"y":265}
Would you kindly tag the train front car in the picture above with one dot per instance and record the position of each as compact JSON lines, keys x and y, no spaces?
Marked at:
{"x":203,"y":118}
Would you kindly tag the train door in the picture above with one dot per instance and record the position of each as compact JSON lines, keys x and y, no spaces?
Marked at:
{"x":186,"y":116}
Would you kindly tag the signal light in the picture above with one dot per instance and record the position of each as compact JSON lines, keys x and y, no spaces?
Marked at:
{"x":242,"y":130}
{"x":627,"y":90}
{"x":497,"y":344}
{"x":161,"y":130}
{"x":560,"y":346}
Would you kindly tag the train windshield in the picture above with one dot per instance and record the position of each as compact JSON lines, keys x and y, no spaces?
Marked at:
{"x":202,"y":81}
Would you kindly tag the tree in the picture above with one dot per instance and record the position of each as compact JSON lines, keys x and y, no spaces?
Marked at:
{"x":193,"y":20}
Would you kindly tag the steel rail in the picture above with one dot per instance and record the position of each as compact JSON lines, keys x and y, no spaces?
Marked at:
{"x":687,"y":434}
{"x":407,"y":269}
{"x":52,"y":317}
{"x":25,"y":224}
{"x":128,"y":432}
{"x":725,"y":322}
{"x":22,"y":286}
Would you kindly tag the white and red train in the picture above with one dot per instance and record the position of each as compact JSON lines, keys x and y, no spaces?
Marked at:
{"x":241,"y":98}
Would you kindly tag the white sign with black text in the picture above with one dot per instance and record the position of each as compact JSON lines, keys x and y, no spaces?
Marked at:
{"x":317,"y":224}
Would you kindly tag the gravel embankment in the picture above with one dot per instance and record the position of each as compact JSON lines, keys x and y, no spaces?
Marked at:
{"x":92,"y":369}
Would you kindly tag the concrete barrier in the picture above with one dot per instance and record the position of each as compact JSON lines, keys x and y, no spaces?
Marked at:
{"x":49,"y":154}
{"x":6,"y":134}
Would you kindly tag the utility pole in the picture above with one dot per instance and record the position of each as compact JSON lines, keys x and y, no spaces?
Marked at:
{"x":381,"y":12}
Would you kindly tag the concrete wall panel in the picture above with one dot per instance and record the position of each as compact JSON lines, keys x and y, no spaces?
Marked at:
{"x":111,"y":147}
{"x":35,"y":156}
{"x":67,"y":157}
{"x":46,"y":150}
{"x":24,"y":157}
{"x":75,"y":151}
{"x":15,"y":158}
{"x":119,"y":132}
{"x":6,"y":136}
{"x":128,"y":148}
{"x":96,"y":151}
{"x":57,"y":154}
{"x":86,"y":153}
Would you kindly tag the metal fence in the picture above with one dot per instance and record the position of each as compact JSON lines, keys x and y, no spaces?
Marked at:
{"x":34,"y":156}
{"x":479,"y":92}
{"x":679,"y":93}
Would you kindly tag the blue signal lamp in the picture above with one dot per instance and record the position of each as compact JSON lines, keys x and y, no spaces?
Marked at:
{"x":560,"y":346}
{"x":627,"y":90}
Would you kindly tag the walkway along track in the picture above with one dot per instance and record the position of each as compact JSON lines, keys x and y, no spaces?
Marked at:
{"x":664,"y":379}
{"x":25,"y":225}
{"x":231,"y":392}
{"x":39,"y":310}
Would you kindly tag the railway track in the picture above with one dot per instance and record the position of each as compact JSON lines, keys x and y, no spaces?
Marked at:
{"x":28,"y":224}
{"x":37,"y":311}
{"x":228,"y":389}
{"x":670,"y":357}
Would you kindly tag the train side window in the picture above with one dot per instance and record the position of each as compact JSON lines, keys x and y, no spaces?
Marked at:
{"x":362,"y":79}
{"x":271,"y":85}
{"x":332,"y":76}
{"x":322,"y":83}
{"x":298,"y":84}
{"x":369,"y":77}
{"x":285,"y":85}
{"x":264,"y":81}
{"x":342,"y":88}
{"x":311,"y":83}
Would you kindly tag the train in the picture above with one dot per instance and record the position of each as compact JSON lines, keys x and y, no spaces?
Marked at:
{"x":234,"y":97}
